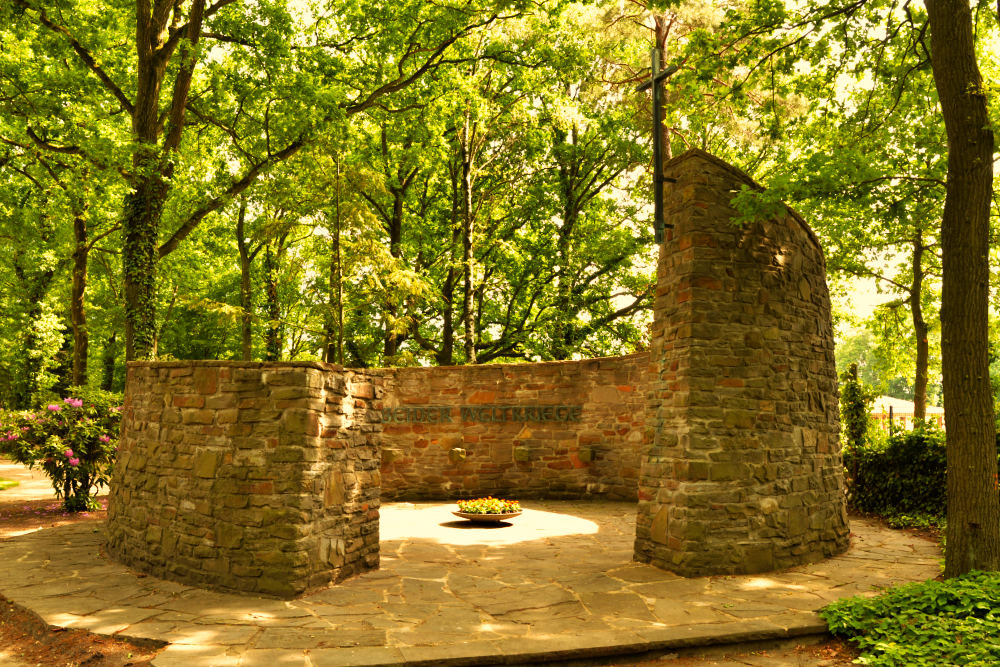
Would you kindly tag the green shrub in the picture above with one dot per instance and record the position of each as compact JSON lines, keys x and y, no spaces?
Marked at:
{"x":73,"y":441}
{"x":933,"y":623}
{"x":902,"y":477}
{"x":906,"y":475}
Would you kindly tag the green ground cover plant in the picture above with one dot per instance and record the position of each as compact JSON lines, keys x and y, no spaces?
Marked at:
{"x":7,"y":484}
{"x":933,"y":623}
{"x":73,"y":441}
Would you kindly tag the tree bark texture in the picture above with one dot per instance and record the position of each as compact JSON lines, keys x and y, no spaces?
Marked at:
{"x":973,"y":533}
{"x":919,"y":330}
{"x":272,"y":334}
{"x":155,"y":44}
{"x":78,"y":313}
{"x":108,"y":362}
{"x":562,"y":331}
{"x":468,"y":257}
{"x":335,"y":314}
{"x":246,"y":297}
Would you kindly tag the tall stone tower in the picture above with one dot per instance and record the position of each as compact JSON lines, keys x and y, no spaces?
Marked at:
{"x":743,"y":472}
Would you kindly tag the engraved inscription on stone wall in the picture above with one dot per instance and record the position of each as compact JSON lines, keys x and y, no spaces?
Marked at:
{"x":446,"y":414}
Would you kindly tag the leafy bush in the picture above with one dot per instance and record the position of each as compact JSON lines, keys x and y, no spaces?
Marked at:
{"x":905,"y":475}
{"x":933,"y":623}
{"x":904,"y":520}
{"x":489,"y":505}
{"x":902,"y":478}
{"x":73,"y":441}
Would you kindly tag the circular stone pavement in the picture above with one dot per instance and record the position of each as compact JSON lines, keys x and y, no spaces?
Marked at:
{"x":557,"y":582}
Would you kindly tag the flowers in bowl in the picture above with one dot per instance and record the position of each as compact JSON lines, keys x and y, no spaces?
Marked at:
{"x":489,"y":505}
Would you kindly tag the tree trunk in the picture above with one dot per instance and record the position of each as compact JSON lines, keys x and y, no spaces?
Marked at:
{"x":335,"y":327}
{"x":108,"y":363}
{"x":973,"y":533}
{"x":568,"y":172}
{"x":468,"y":316}
{"x":78,"y":315}
{"x":272,"y":335}
{"x":143,"y":208}
{"x":246,"y":297}
{"x":919,"y":330}
{"x":152,"y":170}
{"x":395,"y":224}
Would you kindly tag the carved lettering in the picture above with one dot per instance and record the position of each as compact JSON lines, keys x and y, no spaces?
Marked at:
{"x":440,"y":414}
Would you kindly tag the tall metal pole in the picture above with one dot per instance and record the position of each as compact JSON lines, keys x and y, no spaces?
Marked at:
{"x":656,"y":84}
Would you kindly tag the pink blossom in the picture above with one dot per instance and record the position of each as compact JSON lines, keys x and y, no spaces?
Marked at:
{"x":74,"y":462}
{"x":31,"y":416}
{"x":73,"y":402}
{"x":116,"y":408}
{"x":25,"y":428}
{"x":53,"y":408}
{"x":105,"y":438}
{"x":68,"y":453}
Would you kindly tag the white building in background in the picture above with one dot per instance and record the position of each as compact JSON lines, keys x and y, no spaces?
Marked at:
{"x":900,"y":413}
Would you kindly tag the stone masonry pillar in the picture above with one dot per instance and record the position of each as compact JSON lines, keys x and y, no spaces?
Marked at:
{"x":743,"y":473}
{"x":250,"y":477}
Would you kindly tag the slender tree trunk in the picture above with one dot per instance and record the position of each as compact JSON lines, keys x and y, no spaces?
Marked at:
{"x":446,"y":355}
{"x":391,"y":342}
{"x":973,"y":533}
{"x":568,"y":172}
{"x":246,"y":297}
{"x":335,"y":328}
{"x":108,"y":362}
{"x":919,"y":329}
{"x":78,"y":315}
{"x":272,"y":335}
{"x":468,"y":314}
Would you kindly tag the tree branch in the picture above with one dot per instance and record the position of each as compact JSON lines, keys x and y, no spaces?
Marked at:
{"x":84,"y":55}
{"x":236,"y":188}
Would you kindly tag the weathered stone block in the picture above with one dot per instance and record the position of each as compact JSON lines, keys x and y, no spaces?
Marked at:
{"x":205,"y":464}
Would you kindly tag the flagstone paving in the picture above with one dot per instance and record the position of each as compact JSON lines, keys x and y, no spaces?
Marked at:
{"x":557,"y":582}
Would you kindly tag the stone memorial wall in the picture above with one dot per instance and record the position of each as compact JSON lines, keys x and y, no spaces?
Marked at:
{"x":744,"y":472}
{"x":253,"y":477}
{"x":569,"y":429}
{"x":267,"y":477}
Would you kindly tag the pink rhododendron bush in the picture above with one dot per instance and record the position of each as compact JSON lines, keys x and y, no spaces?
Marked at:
{"x":74,"y":441}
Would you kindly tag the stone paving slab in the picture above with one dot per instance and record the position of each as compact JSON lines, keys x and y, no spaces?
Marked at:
{"x":557,"y":583}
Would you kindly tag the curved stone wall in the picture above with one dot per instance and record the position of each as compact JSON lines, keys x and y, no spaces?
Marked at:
{"x":744,"y":472}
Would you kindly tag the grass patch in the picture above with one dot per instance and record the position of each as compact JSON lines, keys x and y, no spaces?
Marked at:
{"x":933,"y":623}
{"x":7,"y":484}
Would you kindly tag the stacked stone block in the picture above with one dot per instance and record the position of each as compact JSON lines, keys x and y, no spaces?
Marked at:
{"x":260,"y":478}
{"x":744,"y":471}
{"x":596,"y":453}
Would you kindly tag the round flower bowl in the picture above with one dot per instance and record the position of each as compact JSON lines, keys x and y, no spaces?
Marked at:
{"x":486,"y":518}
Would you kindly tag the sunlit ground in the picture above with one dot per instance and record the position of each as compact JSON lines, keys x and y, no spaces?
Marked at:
{"x":435,"y":521}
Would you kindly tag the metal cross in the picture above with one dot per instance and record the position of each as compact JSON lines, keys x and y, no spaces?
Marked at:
{"x":656,"y":83}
